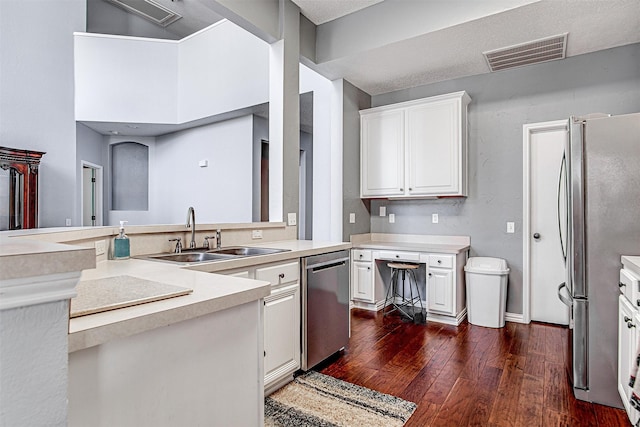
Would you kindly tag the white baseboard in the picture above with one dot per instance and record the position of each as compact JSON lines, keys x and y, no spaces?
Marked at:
{"x":514,"y":317}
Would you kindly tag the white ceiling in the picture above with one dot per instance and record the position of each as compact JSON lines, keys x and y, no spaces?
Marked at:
{"x":456,"y":51}
{"x":321,"y":11}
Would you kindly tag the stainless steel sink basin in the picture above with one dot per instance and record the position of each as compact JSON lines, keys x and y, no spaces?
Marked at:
{"x":247,"y":251}
{"x":189,"y":257}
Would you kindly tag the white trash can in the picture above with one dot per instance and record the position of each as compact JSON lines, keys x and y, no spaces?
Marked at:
{"x":486,"y":283}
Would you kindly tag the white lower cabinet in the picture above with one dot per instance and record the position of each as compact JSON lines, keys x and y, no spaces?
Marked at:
{"x":440,"y":290}
{"x":628,"y":339}
{"x":362,"y":282}
{"x":281,"y":333}
{"x":281,"y":320}
{"x":445,"y":299}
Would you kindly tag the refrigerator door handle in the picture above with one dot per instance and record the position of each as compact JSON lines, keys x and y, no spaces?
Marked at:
{"x":562,"y":173}
{"x":566,"y":300}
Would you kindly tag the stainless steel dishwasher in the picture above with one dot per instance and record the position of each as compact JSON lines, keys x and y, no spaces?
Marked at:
{"x":325,"y":306}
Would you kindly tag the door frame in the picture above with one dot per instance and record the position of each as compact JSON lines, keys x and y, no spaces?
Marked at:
{"x":99,"y":201}
{"x":527,"y":131}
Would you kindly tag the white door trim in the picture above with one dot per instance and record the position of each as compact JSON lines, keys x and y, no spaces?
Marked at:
{"x":98,"y":200}
{"x":527,"y":131}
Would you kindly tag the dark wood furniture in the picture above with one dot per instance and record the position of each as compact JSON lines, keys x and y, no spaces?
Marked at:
{"x":22,"y":166}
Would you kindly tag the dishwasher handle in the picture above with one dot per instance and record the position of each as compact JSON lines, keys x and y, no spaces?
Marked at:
{"x":327,"y":264}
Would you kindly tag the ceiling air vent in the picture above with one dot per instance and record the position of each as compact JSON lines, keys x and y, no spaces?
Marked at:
{"x":534,"y":52}
{"x":149,"y":10}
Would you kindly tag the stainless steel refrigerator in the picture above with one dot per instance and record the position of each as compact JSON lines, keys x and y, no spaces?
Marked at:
{"x":599,"y":223}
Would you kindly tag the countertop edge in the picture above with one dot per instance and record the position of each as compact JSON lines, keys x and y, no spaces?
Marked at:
{"x":91,"y":337}
{"x":416,"y":247}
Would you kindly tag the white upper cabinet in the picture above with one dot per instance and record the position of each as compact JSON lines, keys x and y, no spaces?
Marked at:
{"x":382,"y":153}
{"x":415,"y":149}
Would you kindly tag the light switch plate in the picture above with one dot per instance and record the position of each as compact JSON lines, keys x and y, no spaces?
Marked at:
{"x":352,"y":218}
{"x":434,"y":218}
{"x":101,"y":247}
{"x":392,"y":218}
{"x":383,"y":211}
{"x":511,"y":227}
{"x":291,"y":218}
{"x":256,"y":234}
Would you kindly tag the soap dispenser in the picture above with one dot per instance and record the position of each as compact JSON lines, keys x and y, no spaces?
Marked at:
{"x":121,"y":244}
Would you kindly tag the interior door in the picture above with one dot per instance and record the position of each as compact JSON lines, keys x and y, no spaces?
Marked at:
{"x":548,"y":224}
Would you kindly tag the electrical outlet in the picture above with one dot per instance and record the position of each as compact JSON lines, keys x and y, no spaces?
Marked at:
{"x":434,"y":218}
{"x":67,"y":222}
{"x":392,"y":218}
{"x":101,"y":247}
{"x":511,"y":227}
{"x":352,"y":218}
{"x":291,"y":218}
{"x":256,"y":234}
{"x":383,"y":211}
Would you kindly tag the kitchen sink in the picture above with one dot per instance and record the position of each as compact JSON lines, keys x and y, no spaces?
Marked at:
{"x":189,"y":257}
{"x":246,"y":251}
{"x":193,"y":256}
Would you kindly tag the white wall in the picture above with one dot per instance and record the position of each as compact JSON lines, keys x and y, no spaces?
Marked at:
{"x":138,"y":80}
{"x":221,"y":68}
{"x":125,"y":79}
{"x":221,"y":192}
{"x":36,"y":95}
{"x":327,"y":154}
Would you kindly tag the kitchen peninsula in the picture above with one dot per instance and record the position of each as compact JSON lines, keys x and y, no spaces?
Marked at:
{"x":179,"y":360}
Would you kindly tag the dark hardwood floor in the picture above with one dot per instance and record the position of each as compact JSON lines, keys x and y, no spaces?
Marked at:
{"x":468,"y":375}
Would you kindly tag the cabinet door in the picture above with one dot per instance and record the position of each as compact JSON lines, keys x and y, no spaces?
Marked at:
{"x":362,"y":282}
{"x":382,"y":154}
{"x":627,"y":345}
{"x":434,"y":144}
{"x":281,"y":332}
{"x":440,"y":290}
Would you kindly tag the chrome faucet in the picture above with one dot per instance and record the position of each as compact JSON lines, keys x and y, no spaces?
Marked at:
{"x":218,"y":239}
{"x":191,"y":219}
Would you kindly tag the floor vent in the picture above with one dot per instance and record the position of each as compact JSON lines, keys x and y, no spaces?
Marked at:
{"x":149,"y":10}
{"x":534,"y":52}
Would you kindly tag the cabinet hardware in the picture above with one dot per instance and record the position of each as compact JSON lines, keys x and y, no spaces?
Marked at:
{"x":281,"y":275}
{"x":630,"y":325}
{"x":402,"y":189}
{"x":410,"y":189}
{"x":626,"y":319}
{"x":439,"y":261}
{"x":621,"y":284}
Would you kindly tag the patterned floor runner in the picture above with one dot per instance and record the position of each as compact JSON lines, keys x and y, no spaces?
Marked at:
{"x":314,"y":399}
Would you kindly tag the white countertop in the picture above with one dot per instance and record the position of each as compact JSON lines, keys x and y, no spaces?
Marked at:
{"x":632,"y":263}
{"x":22,"y":258}
{"x":211,"y":292}
{"x":415,"y":243}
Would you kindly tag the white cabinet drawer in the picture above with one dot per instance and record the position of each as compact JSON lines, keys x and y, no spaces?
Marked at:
{"x":400,"y":256}
{"x":361,"y":255}
{"x":279,"y":274}
{"x":629,"y":286}
{"x":444,"y":261}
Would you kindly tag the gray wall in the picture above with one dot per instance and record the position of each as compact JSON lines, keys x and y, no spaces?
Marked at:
{"x":606,"y":81}
{"x":354,"y":100}
{"x":91,"y":147}
{"x":36,"y":95}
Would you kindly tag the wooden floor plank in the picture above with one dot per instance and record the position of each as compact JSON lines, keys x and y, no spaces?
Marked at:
{"x":531,"y":401}
{"x":505,"y":405}
{"x":469,"y":375}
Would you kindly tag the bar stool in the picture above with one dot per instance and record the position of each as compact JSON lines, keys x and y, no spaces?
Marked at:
{"x":404,"y":269}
